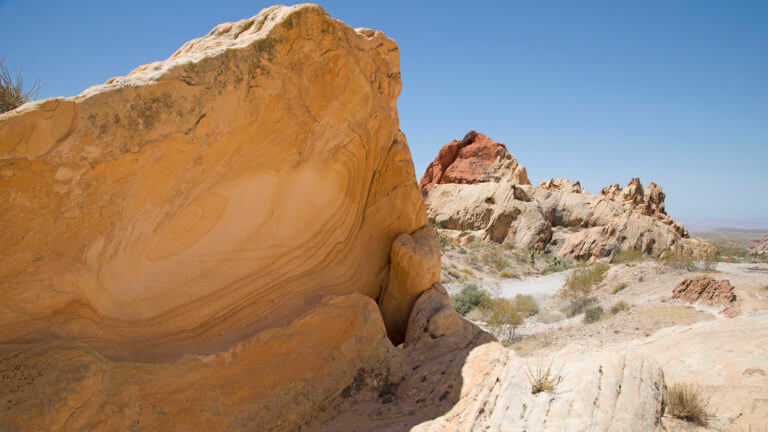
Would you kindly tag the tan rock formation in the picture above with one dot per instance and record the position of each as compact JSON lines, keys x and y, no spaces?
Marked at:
{"x":762,"y":246}
{"x":207,"y":235}
{"x":458,"y":378}
{"x":415,"y":266}
{"x":557,"y":215}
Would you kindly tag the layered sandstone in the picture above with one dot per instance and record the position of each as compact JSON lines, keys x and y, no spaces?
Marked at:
{"x":705,"y":290}
{"x":495,"y":201}
{"x":202,"y":243}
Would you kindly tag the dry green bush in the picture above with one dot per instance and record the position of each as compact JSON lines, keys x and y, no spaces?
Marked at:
{"x":676,"y":258}
{"x":526,"y":305}
{"x":506,"y":274}
{"x":619,"y":306}
{"x":580,"y":283}
{"x":593,"y":314}
{"x":445,"y":242}
{"x":495,"y":259}
{"x":578,"y":306}
{"x":501,"y":317}
{"x":470,"y":297}
{"x":544,"y":378}
{"x":687,"y":402}
{"x":619,"y":287}
{"x":12,"y":93}
{"x":629,"y":255}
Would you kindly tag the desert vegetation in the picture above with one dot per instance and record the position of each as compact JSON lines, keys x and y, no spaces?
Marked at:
{"x":12,"y":91}
{"x":687,"y":402}
{"x":543,"y":377}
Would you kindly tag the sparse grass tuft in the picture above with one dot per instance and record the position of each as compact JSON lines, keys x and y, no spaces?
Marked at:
{"x":619,"y":306}
{"x":579,"y":284}
{"x":629,"y":255}
{"x":445,"y":242}
{"x":12,"y":93}
{"x":619,"y":287}
{"x":593,"y":314}
{"x":543,"y":378}
{"x":506,"y":274}
{"x":578,"y":306}
{"x":687,"y":402}
{"x":675,"y":258}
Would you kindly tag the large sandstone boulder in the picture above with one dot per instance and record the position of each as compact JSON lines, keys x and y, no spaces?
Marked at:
{"x":201,"y":243}
{"x":494,"y":199}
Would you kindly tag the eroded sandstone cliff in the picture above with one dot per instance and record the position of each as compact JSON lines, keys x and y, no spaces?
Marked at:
{"x":476,"y":185}
{"x":201,"y":244}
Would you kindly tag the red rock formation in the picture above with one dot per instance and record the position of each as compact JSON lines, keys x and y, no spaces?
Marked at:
{"x":704,"y":289}
{"x":474,"y":159}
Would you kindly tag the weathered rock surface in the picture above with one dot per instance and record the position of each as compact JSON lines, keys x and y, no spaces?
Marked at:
{"x":415,"y":266}
{"x":762,"y":246}
{"x":705,"y":290}
{"x":201,"y":244}
{"x":726,"y":358}
{"x":494,"y":200}
{"x":458,"y":378}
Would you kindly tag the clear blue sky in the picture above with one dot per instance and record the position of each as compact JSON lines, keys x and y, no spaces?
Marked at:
{"x":674,"y":92}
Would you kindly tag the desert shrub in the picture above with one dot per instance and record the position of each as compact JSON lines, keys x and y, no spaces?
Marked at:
{"x":495,"y":259}
{"x":454,"y":274}
{"x":501,"y":317}
{"x":578,"y":306}
{"x":641,"y":279}
{"x":470,"y":297}
{"x":506,"y":274}
{"x":629,"y":255}
{"x":676,"y":258}
{"x":526,"y":305}
{"x":543,"y":378}
{"x":619,"y":306}
{"x":593,"y":314}
{"x":12,"y":93}
{"x":579,"y":284}
{"x":687,"y":402}
{"x":619,"y":287}
{"x":555,"y":265}
{"x":445,"y":242}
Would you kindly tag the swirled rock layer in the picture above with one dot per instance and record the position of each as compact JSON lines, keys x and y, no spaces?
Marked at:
{"x":237,"y":200}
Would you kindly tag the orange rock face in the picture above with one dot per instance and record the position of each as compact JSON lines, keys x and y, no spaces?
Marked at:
{"x":220,"y":224}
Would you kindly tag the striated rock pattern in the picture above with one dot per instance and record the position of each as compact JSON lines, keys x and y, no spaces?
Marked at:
{"x":475,"y":158}
{"x":202,"y":244}
{"x":705,"y":290}
{"x":500,"y":205}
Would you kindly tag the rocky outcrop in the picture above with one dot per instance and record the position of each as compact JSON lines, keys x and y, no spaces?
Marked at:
{"x":202,"y":244}
{"x":705,"y":290}
{"x":474,"y":159}
{"x":500,"y":205}
{"x":458,"y":378}
{"x":761,"y":246}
